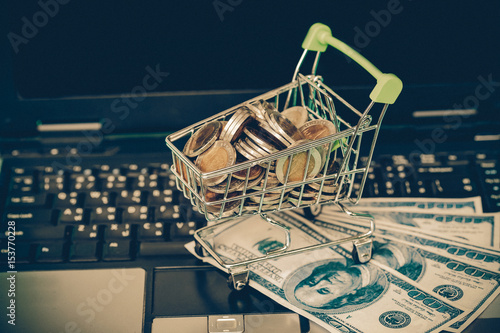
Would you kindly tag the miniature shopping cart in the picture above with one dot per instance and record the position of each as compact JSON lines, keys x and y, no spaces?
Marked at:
{"x":344,"y":147}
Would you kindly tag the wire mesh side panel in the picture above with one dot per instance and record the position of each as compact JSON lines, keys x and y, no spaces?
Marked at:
{"x":327,"y":166}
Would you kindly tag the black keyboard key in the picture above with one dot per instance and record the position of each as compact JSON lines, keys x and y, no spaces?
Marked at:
{"x":167,"y":213}
{"x":162,"y":197}
{"x":136,"y":214}
{"x":99,"y":199}
{"x":50,"y":251}
{"x":182,"y":230}
{"x":86,"y":232}
{"x":117,"y":231}
{"x":488,"y":168}
{"x":19,"y":253}
{"x":151,"y":231}
{"x":447,"y":181}
{"x":113,"y":182}
{"x":64,"y":200}
{"x":34,"y":217}
{"x":84,"y":251}
{"x":41,"y":232}
{"x":54,"y":183}
{"x":128,"y":198}
{"x":105,"y":214}
{"x":29,"y":201}
{"x":25,"y":183}
{"x":73,"y":215}
{"x":116,"y":250}
{"x":148,"y":249}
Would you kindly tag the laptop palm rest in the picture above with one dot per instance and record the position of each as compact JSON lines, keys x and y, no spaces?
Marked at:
{"x":199,"y":300}
{"x":99,"y":300}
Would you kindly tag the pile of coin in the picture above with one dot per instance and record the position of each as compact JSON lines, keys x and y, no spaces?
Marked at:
{"x":254,"y":131}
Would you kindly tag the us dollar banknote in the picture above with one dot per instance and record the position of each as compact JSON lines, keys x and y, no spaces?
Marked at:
{"x":429,"y":205}
{"x":462,"y":283}
{"x":326,"y":285}
{"x":486,"y":258}
{"x":478,"y":229}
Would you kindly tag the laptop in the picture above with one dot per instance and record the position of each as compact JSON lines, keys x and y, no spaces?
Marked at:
{"x":90,"y":90}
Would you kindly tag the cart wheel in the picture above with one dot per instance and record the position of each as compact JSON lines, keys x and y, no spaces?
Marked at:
{"x":239,"y":285}
{"x":312,"y":211}
{"x":198,"y":249}
{"x":365,"y":249}
{"x":355,"y":256}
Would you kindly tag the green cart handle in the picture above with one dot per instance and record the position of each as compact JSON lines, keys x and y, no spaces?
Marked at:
{"x":388,"y":86}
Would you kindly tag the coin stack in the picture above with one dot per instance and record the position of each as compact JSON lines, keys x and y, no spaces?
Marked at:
{"x":254,"y":131}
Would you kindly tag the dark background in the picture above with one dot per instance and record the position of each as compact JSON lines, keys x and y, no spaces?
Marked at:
{"x":94,"y":48}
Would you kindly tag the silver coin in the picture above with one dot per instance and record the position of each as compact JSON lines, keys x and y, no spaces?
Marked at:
{"x":236,"y":124}
{"x":247,"y":154}
{"x":284,"y":127}
{"x":202,"y":139}
{"x":297,"y":115}
{"x":263,"y":139}
{"x":254,"y":152}
{"x":229,"y":123}
{"x":261,"y":150}
{"x":258,"y":112}
{"x":276,"y":138}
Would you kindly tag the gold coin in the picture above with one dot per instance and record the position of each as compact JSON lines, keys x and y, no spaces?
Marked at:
{"x":202,"y":139}
{"x":299,"y":165}
{"x":303,"y":202}
{"x":228,"y":204}
{"x":220,"y":155}
{"x":255,"y":172}
{"x":306,"y":193}
{"x":326,"y":188}
{"x":317,"y":129}
{"x":236,"y":185}
{"x":296,"y":114}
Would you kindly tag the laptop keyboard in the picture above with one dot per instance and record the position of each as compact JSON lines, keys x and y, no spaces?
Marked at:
{"x":128,"y":211}
{"x":438,"y":175}
{"x":100,"y":213}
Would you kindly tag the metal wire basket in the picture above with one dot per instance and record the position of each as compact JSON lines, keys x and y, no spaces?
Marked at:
{"x":330,"y":168}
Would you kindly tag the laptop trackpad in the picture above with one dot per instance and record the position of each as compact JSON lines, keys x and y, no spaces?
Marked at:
{"x":101,"y":300}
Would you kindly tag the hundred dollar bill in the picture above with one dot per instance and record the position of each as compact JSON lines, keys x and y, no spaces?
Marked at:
{"x":429,"y":205}
{"x":486,"y":258}
{"x":462,"y":283}
{"x":478,"y":229}
{"x":325,"y":285}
